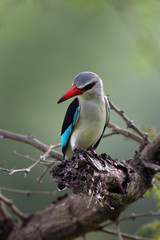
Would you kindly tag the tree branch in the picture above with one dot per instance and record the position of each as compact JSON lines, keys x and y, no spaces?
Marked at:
{"x":28,"y":169}
{"x":119,"y":234}
{"x":43,"y":162}
{"x":129,"y":123}
{"x":112,"y":183}
{"x":124,"y":132}
{"x":28,"y":192}
{"x":104,"y":187}
{"x":152,"y":151}
{"x":14,"y":209}
{"x":125,"y":235}
{"x":32,"y":141}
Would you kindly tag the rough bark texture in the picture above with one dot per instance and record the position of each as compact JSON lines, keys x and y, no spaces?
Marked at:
{"x":104,"y":188}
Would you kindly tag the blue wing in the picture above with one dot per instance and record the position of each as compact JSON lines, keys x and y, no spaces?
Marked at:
{"x":107,"y":120}
{"x":69,"y":122}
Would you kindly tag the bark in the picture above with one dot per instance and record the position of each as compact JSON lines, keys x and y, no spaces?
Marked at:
{"x":102,"y":187}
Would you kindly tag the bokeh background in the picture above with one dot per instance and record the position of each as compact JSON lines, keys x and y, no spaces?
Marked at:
{"x":43,"y":46}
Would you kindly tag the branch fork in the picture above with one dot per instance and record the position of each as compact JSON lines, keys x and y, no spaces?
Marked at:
{"x":113,"y":184}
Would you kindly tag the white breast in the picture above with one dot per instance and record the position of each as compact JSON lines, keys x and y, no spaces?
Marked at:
{"x":90,"y":125}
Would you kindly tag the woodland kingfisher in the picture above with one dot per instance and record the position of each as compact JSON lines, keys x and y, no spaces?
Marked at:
{"x":86,"y":117}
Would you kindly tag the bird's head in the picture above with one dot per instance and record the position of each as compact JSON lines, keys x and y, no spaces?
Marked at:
{"x":86,"y":83}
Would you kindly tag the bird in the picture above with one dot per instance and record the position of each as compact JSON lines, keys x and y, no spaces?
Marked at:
{"x":87,"y":115}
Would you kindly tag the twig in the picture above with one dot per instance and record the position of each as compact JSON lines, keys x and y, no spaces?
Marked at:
{"x":133,"y":216}
{"x":39,"y":180}
{"x":27,"y":170}
{"x":42,"y":162}
{"x":29,"y":158}
{"x":27,"y":192}
{"x":57,"y":145}
{"x":11,"y":170}
{"x":125,"y":235}
{"x":30,"y":140}
{"x":3,"y":211}
{"x":84,"y":236}
{"x":14,"y":209}
{"x":129,"y":123}
{"x":118,"y":230}
{"x":126,"y":133}
{"x":24,"y":156}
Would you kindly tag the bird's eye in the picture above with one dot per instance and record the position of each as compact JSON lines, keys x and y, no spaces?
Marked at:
{"x":89,"y":86}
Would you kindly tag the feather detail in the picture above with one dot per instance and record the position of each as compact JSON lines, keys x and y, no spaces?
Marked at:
{"x":107,"y":121}
{"x":69,"y":122}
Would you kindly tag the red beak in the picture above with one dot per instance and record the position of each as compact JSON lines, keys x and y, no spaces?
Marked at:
{"x":73,"y":91}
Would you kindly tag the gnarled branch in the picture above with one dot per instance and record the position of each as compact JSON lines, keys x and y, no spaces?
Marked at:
{"x":103,"y":187}
{"x":123,"y":183}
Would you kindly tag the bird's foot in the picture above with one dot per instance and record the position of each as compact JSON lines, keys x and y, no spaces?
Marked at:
{"x":91,"y":150}
{"x":93,"y":153}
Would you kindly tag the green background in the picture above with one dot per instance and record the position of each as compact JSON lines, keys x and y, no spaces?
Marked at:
{"x":43,"y":46}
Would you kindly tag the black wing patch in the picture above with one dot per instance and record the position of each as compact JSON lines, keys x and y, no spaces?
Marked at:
{"x":68,"y":123}
{"x":68,"y":119}
{"x":97,"y":143}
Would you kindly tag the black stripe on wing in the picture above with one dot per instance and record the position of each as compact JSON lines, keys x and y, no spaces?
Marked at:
{"x":97,"y":143}
{"x":68,"y":123}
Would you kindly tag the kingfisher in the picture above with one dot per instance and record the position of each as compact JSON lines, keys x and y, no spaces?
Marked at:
{"x":87,"y":116}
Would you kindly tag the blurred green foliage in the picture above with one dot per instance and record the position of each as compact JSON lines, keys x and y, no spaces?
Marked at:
{"x":155,"y":188}
{"x":150,"y":230}
{"x":43,"y":45}
{"x":150,"y":130}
